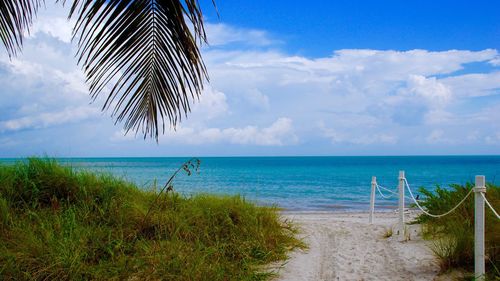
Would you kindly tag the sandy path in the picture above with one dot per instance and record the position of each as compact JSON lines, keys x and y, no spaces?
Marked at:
{"x":346,"y":247}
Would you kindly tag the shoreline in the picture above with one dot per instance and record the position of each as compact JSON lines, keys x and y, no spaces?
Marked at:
{"x":355,"y":212}
{"x":412,"y":212}
{"x":344,"y":246}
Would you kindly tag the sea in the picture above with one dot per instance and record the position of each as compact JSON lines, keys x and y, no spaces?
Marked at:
{"x":298,"y":183}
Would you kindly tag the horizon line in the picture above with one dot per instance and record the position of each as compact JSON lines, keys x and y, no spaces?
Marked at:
{"x":255,"y":156}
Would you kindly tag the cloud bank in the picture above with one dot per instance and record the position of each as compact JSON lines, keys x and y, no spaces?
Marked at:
{"x":264,"y":101}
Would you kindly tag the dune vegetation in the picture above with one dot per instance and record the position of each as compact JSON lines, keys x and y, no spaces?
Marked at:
{"x":453,"y":234}
{"x":57,"y":223}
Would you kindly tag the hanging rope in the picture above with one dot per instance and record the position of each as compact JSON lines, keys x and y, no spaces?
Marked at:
{"x":489,"y":205}
{"x":381,"y":194}
{"x":387,"y":189}
{"x":432,"y":215}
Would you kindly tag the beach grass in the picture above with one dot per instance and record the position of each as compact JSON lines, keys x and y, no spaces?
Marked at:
{"x":387,"y":233}
{"x":57,"y":223}
{"x":453,"y":235}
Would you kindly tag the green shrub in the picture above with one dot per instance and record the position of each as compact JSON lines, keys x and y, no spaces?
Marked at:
{"x":59,"y":224}
{"x":454,"y":233}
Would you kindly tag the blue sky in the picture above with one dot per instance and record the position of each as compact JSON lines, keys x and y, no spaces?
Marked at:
{"x":287,"y":78}
{"x":316,"y":28}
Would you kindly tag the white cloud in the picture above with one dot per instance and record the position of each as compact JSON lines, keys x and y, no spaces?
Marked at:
{"x":474,"y":85}
{"x":428,"y":88}
{"x":438,"y":116}
{"x":122,"y":136}
{"x":367,"y":98}
{"x":39,"y":92}
{"x":381,"y":138}
{"x":256,"y":98}
{"x":436,"y":136}
{"x":279,"y":133}
{"x":222,"y":34}
{"x":495,"y":61}
{"x":367,"y":138}
{"x":334,"y":135}
{"x":492,"y":139}
{"x":212,"y":104}
{"x":48,"y":119}
{"x":384,"y":65}
{"x":384,"y":89}
{"x":57,"y":27}
{"x":52,"y":20}
{"x":43,"y":87}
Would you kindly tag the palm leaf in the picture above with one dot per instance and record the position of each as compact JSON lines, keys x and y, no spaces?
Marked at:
{"x":147,"y":51}
{"x":144,"y":49}
{"x":16,"y":17}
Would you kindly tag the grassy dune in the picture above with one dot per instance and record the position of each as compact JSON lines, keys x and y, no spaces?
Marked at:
{"x":454,"y":233}
{"x":60,"y":224}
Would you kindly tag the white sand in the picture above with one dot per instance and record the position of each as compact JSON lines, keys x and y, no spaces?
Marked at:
{"x":343,"y":246}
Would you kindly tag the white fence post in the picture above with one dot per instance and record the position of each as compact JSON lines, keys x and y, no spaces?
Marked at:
{"x":372,"y":199}
{"x":401,"y":189}
{"x":479,"y":269}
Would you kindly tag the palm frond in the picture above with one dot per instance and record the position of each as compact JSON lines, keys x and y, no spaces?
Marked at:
{"x":16,"y":17}
{"x":146,"y":50}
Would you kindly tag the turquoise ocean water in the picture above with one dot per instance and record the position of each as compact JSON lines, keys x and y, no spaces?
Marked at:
{"x":299,"y":183}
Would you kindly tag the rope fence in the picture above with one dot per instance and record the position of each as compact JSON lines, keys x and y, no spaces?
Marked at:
{"x":480,"y":201}
{"x":491,"y":207}
{"x":384,"y":196}
{"x":388,"y":190}
{"x":433,"y":215}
